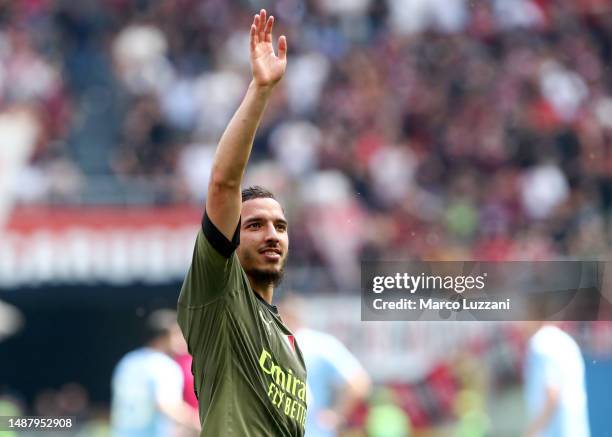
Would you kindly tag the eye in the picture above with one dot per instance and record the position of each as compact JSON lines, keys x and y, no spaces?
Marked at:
{"x":254,"y":225}
{"x":281,"y":227}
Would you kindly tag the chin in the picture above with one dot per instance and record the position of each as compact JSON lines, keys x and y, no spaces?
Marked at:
{"x":268,"y":270}
{"x":273,"y":275}
{"x":270,"y":267}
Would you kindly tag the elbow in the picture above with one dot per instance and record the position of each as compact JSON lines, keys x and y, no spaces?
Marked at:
{"x":361,"y":386}
{"x":553,"y":396}
{"x":220,"y":182}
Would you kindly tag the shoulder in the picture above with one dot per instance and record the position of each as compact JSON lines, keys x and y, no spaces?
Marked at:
{"x":312,"y":336}
{"x":321,"y":344}
{"x":130,"y":363}
{"x":164,"y":367}
{"x":163,"y":360}
{"x":132,"y":357}
{"x":211,"y":236}
{"x":550,"y":340}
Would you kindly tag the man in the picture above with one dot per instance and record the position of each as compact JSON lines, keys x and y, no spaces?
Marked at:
{"x":554,"y":384}
{"x":147,"y":385}
{"x":249,"y":374}
{"x":337,"y":383}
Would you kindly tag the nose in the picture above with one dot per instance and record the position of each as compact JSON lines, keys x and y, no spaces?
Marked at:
{"x":271,"y":234}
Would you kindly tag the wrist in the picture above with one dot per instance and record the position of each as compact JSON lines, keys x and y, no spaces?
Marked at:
{"x":261,"y":90}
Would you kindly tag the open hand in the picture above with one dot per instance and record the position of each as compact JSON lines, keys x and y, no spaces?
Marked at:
{"x":267,"y":67}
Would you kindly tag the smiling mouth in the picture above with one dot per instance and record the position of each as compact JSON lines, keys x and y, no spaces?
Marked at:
{"x":271,"y":254}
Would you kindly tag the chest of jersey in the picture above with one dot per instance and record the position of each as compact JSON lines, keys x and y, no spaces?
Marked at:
{"x":270,"y":359}
{"x":281,"y":362}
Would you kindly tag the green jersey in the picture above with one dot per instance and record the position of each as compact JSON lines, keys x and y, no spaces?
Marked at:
{"x":249,"y":374}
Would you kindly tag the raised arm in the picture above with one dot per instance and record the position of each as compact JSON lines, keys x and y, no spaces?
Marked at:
{"x":223,"y":202}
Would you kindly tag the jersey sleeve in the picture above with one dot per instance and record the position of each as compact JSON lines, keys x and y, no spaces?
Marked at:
{"x":549,"y":368}
{"x":345,"y":366}
{"x":213,"y":264}
{"x":167,"y":382}
{"x":339,"y":361}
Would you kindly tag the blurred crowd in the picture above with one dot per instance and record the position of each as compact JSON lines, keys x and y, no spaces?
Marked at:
{"x":441,"y":129}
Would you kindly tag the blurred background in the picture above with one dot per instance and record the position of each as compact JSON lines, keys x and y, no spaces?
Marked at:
{"x":403,"y":129}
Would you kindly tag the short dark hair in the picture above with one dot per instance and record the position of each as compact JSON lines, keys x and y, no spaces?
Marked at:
{"x":160,"y":323}
{"x":256,"y":192}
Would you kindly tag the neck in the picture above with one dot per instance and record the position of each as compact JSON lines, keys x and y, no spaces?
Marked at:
{"x":158,"y":347}
{"x":265,"y":290}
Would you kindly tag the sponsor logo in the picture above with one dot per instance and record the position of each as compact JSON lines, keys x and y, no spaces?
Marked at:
{"x":286,"y":391}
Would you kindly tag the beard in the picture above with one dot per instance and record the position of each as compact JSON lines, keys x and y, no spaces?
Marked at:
{"x":260,"y":274}
{"x":266,"y":277}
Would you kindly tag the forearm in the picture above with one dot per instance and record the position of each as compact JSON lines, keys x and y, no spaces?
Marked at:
{"x":223,"y":202}
{"x":182,"y":414}
{"x":236,"y":142}
{"x":540,"y":422}
{"x":356,"y":391}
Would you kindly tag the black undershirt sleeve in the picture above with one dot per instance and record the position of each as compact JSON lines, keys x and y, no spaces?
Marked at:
{"x":219,"y":241}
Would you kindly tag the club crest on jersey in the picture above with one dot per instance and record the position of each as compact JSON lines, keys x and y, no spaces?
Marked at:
{"x":290,"y":340}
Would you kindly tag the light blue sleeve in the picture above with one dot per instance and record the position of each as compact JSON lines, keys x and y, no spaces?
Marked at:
{"x":541,"y":372}
{"x":342,"y":362}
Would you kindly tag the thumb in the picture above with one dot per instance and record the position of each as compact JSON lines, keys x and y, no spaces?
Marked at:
{"x":282,"y":47}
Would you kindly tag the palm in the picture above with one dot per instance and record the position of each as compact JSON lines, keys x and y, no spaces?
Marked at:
{"x":268,"y":68}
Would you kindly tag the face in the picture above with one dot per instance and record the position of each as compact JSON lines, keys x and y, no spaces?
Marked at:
{"x":177,"y":343}
{"x":263,"y":240}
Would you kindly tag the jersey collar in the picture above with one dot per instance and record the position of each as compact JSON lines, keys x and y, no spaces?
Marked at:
{"x":270,"y":307}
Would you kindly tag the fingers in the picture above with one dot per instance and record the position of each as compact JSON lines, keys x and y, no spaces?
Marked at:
{"x":262,"y":25}
{"x":282,"y":47}
{"x":254,"y":34}
{"x":261,"y":31}
{"x":268,"y":29}
{"x":254,"y":38}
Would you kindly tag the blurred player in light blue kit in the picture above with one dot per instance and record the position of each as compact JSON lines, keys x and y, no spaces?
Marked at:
{"x":147,"y":385}
{"x":336,"y":380}
{"x":555,"y":384}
